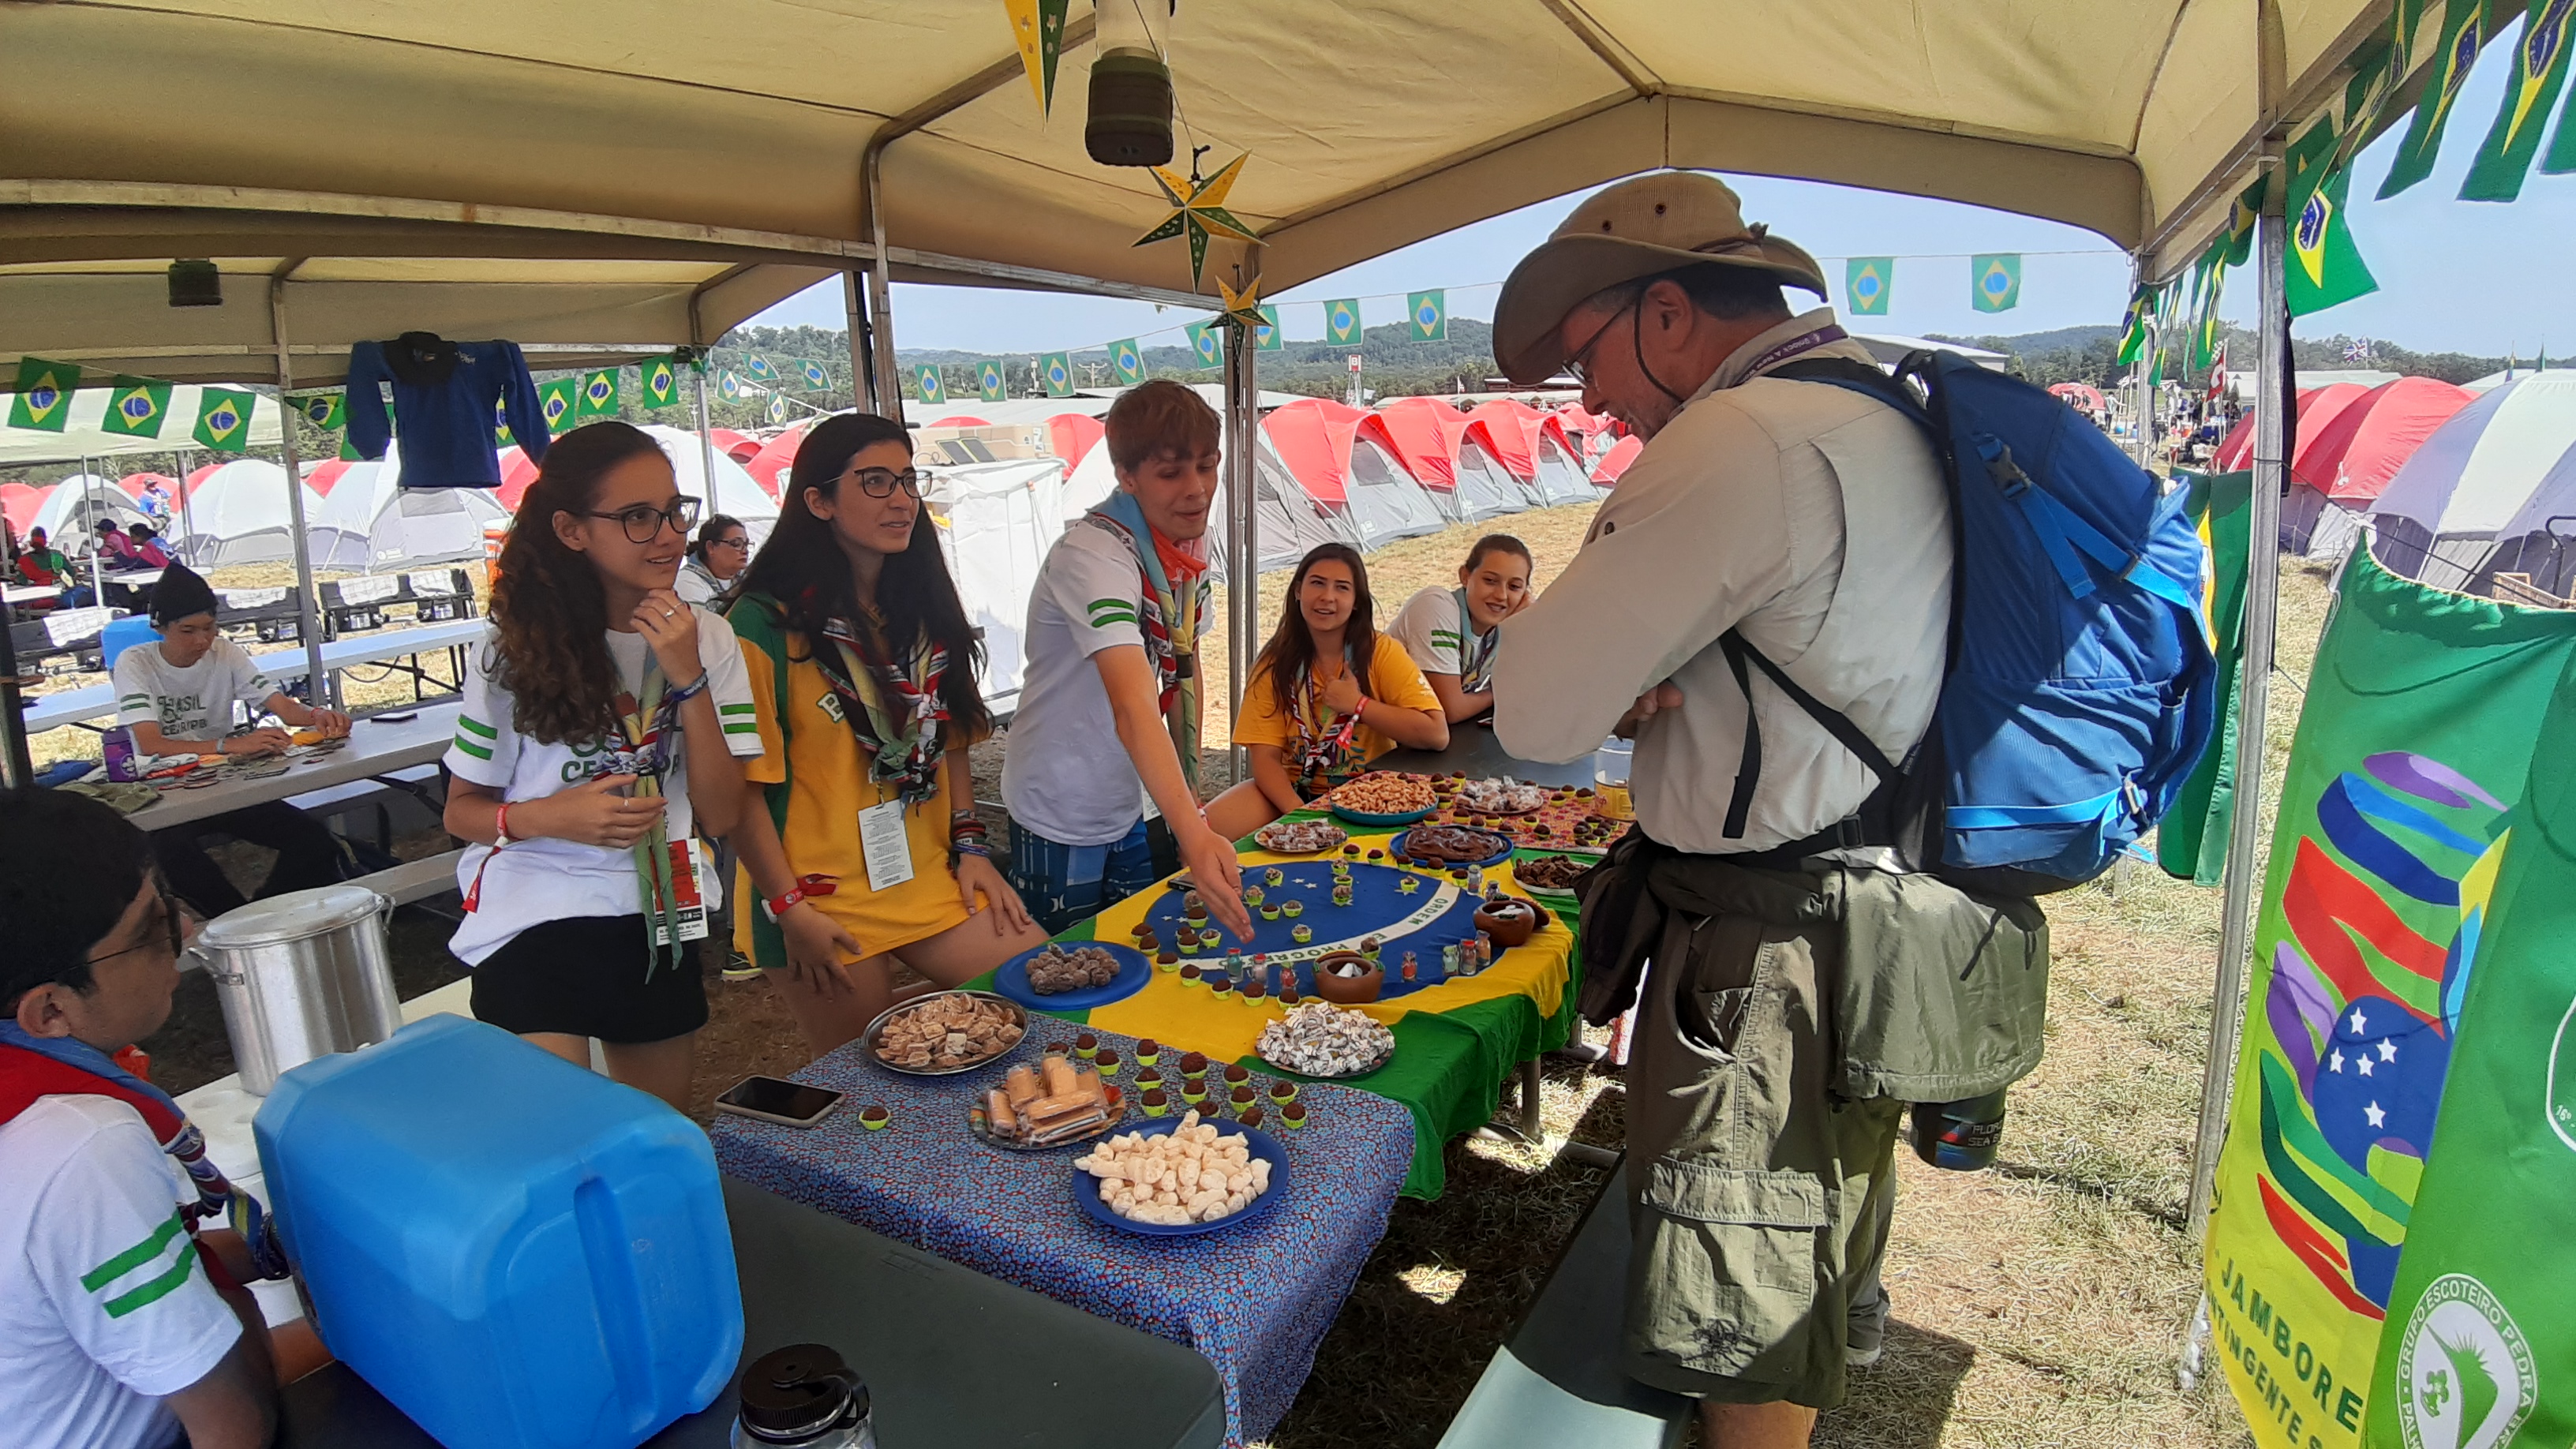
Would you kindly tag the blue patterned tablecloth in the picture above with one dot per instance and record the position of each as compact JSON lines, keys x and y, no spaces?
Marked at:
{"x":1256,"y":1300}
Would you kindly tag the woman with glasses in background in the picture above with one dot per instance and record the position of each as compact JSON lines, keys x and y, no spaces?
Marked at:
{"x":863,"y":667}
{"x":600,"y":723}
{"x":715,"y":561}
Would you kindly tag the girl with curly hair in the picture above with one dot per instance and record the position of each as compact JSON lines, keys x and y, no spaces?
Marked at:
{"x":601,"y":725}
{"x":863,"y":666}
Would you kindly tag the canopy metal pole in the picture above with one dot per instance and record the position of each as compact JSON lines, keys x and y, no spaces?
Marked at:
{"x":1242,"y":548}
{"x":706,"y":429}
{"x":889,"y":374}
{"x":97,"y":552}
{"x":325,"y":690}
{"x":2245,"y":864}
{"x":187,"y":515}
{"x":863,"y":361}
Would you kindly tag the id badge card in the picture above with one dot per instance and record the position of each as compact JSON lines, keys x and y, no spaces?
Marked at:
{"x":886,"y":845}
{"x":689,"y":900}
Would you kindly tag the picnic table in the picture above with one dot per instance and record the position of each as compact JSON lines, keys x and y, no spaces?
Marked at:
{"x":376,"y":747}
{"x":1255,"y":1298}
{"x":97,"y":701}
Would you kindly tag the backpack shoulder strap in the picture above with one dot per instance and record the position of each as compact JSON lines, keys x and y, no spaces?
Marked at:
{"x":1852,"y":375}
{"x":1740,"y":654}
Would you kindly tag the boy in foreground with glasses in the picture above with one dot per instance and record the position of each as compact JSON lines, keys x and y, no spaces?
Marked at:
{"x":122,"y":1318}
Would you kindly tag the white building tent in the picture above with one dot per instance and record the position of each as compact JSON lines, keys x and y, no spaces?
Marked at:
{"x":2493,"y":490}
{"x":240,"y":515}
{"x":72,"y":510}
{"x":370,"y":521}
{"x":999,"y":520}
{"x":734,"y":493}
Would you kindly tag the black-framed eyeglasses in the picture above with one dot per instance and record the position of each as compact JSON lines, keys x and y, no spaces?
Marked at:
{"x":881,"y":482}
{"x":643,"y":522}
{"x":1578,"y":363}
{"x":175,"y":915}
{"x":731,"y":543}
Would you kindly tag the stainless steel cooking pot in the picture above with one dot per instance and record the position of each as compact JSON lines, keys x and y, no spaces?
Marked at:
{"x":302,"y":975}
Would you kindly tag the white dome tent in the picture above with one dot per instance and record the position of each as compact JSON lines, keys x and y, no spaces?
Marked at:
{"x":240,"y":515}
{"x":2493,"y":489}
{"x":75,"y":506}
{"x":997,"y":522}
{"x":371,"y":521}
{"x":735,"y":493}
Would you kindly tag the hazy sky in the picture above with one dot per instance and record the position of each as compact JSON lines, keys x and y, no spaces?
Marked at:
{"x":2454,"y":276}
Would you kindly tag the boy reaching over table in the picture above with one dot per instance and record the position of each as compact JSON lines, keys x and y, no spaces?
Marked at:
{"x":1109,"y":709}
{"x":1451,"y":633}
{"x":177,"y":694}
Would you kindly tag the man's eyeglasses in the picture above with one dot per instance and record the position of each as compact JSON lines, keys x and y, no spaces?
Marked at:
{"x":880,"y":483}
{"x":1578,"y":363}
{"x":643,"y":522}
{"x":175,"y":915}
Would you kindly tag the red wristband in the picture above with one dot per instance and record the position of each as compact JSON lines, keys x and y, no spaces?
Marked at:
{"x":501,"y":826}
{"x":797,"y":895}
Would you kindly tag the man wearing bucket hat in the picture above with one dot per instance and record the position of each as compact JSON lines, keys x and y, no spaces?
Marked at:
{"x":1811,"y":522}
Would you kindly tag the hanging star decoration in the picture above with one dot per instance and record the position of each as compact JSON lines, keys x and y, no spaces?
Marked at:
{"x":1198,"y":211}
{"x":1243,"y":309}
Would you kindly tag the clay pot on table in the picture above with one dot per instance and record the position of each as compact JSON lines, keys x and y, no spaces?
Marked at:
{"x":1511,"y":921}
{"x":1348,"y":990}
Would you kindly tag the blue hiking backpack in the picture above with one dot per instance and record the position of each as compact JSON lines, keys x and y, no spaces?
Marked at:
{"x":2080,"y":689}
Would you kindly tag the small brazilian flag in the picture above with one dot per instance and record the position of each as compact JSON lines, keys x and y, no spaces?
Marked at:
{"x":223,"y":420}
{"x":2143,"y":302}
{"x":2539,"y":71}
{"x":758,"y":366}
{"x":2324,"y":267}
{"x":1998,"y":277}
{"x":328,"y":411}
{"x":1205,"y":345}
{"x":500,"y":421}
{"x":988,"y":380}
{"x":138,"y":405}
{"x":44,"y":399}
{"x":557,"y":400}
{"x":816,"y":379}
{"x":1056,"y":369}
{"x":1267,"y":337}
{"x":777,"y":407}
{"x":926,"y":384}
{"x":2464,"y":32}
{"x":1342,"y":322}
{"x":598,"y":396}
{"x":1866,"y":283}
{"x":1429,"y":312}
{"x":728,"y":386}
{"x":1129,"y":360}
{"x":661,"y":384}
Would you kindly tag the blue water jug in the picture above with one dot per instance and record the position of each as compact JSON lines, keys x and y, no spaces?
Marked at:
{"x":514,"y":1251}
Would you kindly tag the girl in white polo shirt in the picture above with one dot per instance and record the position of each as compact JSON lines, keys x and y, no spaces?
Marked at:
{"x":601,"y":722}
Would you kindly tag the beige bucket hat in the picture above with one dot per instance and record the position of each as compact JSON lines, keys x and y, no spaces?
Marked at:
{"x":1639,"y":228}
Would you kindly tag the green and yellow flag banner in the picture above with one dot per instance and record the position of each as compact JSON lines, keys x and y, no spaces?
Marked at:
{"x":1429,"y":313}
{"x":2191,"y":841}
{"x":2374,"y":1258}
{"x":1129,"y":361}
{"x":1342,"y":322}
{"x":328,"y":411}
{"x":928,"y":385}
{"x":1267,"y":337}
{"x":2539,"y":72}
{"x":988,"y":380}
{"x":2324,"y":267}
{"x":598,"y":396}
{"x":2135,"y":323}
{"x":223,"y":420}
{"x":139,"y":405}
{"x":661,"y":383}
{"x":758,"y":366}
{"x":1205,"y":344}
{"x":1997,"y":279}
{"x":1866,"y":284}
{"x":557,"y":400}
{"x":816,"y":378}
{"x":777,"y":408}
{"x":44,"y":397}
{"x":2464,"y":32}
{"x":1056,"y":371}
{"x":1037,"y":26}
{"x":729,"y":387}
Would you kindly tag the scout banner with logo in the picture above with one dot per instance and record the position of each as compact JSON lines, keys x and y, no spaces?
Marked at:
{"x":2380,"y":910}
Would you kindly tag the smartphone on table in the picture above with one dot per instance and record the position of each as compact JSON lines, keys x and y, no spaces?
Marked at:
{"x":789,"y":1104}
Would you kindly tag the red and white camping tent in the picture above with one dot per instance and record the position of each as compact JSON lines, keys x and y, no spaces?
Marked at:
{"x":1533,"y":447}
{"x":1615,"y":462}
{"x":2343,"y":463}
{"x":1347,"y":460}
{"x":770,"y":466}
{"x":1426,"y":431}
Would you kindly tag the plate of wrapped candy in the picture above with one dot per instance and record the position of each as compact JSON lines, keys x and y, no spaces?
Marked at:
{"x":946,"y":1033}
{"x":1054,"y":1103}
{"x":1073,"y":975}
{"x":1300,"y":837}
{"x":1221,"y":1175}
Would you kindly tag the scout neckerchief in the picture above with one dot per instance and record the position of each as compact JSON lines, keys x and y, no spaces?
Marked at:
{"x":649,"y":729}
{"x":1475,"y":651}
{"x":895,"y":713}
{"x":33,"y":1066}
{"x":1169,"y":620}
{"x":1325,"y":754}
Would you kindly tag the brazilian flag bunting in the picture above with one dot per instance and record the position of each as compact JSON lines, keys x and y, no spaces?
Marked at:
{"x":1866,"y":284}
{"x":777,"y":408}
{"x":1056,"y":371}
{"x":223,"y":420}
{"x":989,"y":383}
{"x":1205,"y":345}
{"x":729,"y":387}
{"x":1429,"y":313}
{"x":328,"y":411}
{"x":138,"y":405}
{"x":661,"y":384}
{"x":2464,"y":31}
{"x":816,"y":379}
{"x":556,"y":400}
{"x":926,"y":384}
{"x":1267,"y":337}
{"x":44,"y":397}
{"x":2325,"y":267}
{"x":1129,"y":360}
{"x":598,"y":396}
{"x":2539,"y":72}
{"x":1342,"y":322}
{"x":1998,"y":282}
{"x":2143,"y":302}
{"x":758,"y":366}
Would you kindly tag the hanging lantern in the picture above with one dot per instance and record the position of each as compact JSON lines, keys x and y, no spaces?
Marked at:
{"x":1130,"y":122}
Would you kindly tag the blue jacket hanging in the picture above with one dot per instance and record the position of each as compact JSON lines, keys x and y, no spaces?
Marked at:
{"x":444,"y":395}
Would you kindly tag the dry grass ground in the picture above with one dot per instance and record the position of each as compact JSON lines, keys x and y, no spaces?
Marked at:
{"x":2038,"y":1305}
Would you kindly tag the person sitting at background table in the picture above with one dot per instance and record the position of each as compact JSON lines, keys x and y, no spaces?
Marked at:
{"x":1450,"y":633}
{"x":1328,"y":694}
{"x":597,"y":679}
{"x":863,"y":670}
{"x":177,"y":695}
{"x":42,"y":564}
{"x":715,"y":561}
{"x":146,"y":546}
{"x":115,"y":550}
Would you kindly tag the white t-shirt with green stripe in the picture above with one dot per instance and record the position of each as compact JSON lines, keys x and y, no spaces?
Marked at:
{"x":105,"y":1310}
{"x":1442,"y":640}
{"x":534,"y":881}
{"x":195,"y":703}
